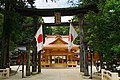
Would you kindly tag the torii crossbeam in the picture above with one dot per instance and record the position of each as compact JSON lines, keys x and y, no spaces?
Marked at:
{"x":50,"y":12}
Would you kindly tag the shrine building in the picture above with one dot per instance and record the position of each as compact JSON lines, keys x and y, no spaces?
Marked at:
{"x":55,"y":52}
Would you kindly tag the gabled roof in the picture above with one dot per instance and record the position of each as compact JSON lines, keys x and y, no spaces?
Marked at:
{"x":59,"y":40}
{"x":51,"y":39}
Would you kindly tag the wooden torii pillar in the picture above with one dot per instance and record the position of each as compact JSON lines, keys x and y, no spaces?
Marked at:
{"x":28,"y":60}
{"x":83,"y":47}
{"x":34,"y":57}
{"x":80,"y":19}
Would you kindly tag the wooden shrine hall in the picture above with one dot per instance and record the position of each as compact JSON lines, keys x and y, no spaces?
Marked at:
{"x":55,"y":52}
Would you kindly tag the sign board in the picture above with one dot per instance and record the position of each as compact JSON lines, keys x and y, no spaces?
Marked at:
{"x":57,"y":17}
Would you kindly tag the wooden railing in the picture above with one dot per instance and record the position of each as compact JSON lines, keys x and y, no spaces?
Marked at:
{"x":72,"y":64}
{"x":69,"y":64}
{"x":108,"y":75}
{"x":45,"y":64}
{"x":59,"y":65}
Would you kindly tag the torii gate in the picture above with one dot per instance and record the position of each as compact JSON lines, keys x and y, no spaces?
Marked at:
{"x":79,"y":11}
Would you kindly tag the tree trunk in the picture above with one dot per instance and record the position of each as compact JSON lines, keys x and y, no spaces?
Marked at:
{"x":4,"y":62}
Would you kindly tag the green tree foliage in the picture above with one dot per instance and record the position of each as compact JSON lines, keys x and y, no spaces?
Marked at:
{"x":47,"y":30}
{"x":104,"y":32}
{"x":18,"y":35}
{"x":62,"y":30}
{"x":25,"y":34}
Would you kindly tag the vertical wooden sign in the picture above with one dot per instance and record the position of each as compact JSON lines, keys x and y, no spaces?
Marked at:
{"x":57,"y":17}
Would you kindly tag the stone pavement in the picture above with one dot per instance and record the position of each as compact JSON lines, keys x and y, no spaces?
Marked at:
{"x":54,"y":74}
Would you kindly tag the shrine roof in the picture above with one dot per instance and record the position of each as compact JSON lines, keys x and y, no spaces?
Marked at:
{"x":51,"y":38}
{"x":61,"y":46}
{"x":58,"y":42}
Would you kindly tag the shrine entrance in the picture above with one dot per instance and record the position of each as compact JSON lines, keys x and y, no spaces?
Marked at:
{"x":35,"y":13}
{"x":58,"y":61}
